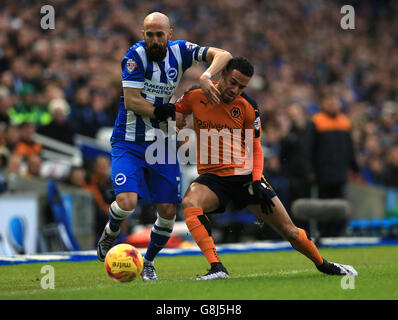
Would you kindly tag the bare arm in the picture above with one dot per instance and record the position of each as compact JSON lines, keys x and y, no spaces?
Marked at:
{"x":219,"y":59}
{"x":135,"y":102}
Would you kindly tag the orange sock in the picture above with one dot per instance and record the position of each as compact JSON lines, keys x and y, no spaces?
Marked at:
{"x":199,"y":226}
{"x":305,"y":246}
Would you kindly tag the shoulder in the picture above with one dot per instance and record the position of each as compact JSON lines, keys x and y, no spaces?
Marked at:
{"x":250,"y":104}
{"x":137,"y":46}
{"x":189,"y":50}
{"x":317,"y":117}
{"x":249,"y":101}
{"x":135,"y":55}
{"x":183,"y":44}
{"x":191,"y":94}
{"x":176,"y":42}
{"x":324,"y":122}
{"x":252,"y":114}
{"x":344,"y":121}
{"x":136,"y":51}
{"x":195,"y":89}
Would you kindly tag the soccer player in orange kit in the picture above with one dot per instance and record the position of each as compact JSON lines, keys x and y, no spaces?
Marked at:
{"x":224,"y":178}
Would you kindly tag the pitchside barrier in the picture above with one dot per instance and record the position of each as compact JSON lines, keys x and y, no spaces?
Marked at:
{"x":26,"y":218}
{"x":363,"y":204}
{"x":25,"y":221}
{"x":367,"y":201}
{"x":320,"y":210}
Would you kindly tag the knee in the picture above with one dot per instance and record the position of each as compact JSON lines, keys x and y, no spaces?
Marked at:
{"x":188,"y":202}
{"x":127,"y":202}
{"x":167,"y":211}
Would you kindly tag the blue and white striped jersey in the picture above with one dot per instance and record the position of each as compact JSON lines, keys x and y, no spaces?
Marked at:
{"x":157,"y":80}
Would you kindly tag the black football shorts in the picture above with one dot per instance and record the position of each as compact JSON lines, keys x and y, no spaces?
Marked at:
{"x":233,"y":189}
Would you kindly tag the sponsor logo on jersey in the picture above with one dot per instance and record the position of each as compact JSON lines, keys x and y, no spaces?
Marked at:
{"x":208,"y":124}
{"x":158,"y":89}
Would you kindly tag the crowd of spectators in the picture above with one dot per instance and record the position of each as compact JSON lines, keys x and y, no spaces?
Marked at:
{"x":67,"y":80}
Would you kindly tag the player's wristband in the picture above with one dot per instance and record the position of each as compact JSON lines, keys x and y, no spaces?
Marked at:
{"x":207,"y":74}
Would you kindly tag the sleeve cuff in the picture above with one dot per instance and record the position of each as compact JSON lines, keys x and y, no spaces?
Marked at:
{"x":132,"y":84}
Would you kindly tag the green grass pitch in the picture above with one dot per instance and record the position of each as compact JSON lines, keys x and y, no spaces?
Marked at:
{"x":254,"y":276}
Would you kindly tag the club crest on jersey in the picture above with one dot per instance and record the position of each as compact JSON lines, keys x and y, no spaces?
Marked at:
{"x":190,"y":46}
{"x":235,"y":112}
{"x":120,"y":179}
{"x":171,"y":73}
{"x":131,"y":65}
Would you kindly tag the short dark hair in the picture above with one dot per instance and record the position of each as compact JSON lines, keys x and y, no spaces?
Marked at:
{"x":241,"y":64}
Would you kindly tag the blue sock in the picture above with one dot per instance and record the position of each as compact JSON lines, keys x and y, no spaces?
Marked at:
{"x":117,"y":216}
{"x":160,"y":234}
{"x":114,"y":224}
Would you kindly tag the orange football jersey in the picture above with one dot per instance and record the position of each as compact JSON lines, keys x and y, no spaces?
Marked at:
{"x":225,"y":133}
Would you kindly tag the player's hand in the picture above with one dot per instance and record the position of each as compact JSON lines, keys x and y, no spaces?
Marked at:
{"x":209,"y":90}
{"x":260,"y":192}
{"x":181,"y":121}
{"x":165,"y":112}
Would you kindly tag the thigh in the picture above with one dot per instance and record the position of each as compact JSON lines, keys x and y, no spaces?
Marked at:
{"x":243,"y":195}
{"x":127,"y":170}
{"x":279,"y":219}
{"x":164,"y":183}
{"x":200,"y":195}
{"x":218,"y":187}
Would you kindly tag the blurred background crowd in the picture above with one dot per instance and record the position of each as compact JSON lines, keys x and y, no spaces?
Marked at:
{"x":67,"y":81}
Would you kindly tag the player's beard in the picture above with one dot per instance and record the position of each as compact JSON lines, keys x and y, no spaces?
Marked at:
{"x":227,"y":98}
{"x":156,"y":52}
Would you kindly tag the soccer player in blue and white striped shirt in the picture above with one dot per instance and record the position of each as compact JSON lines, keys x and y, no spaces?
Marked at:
{"x":151,"y":71}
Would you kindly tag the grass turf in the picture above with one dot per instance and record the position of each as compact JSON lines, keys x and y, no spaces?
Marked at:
{"x":254,"y":276}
